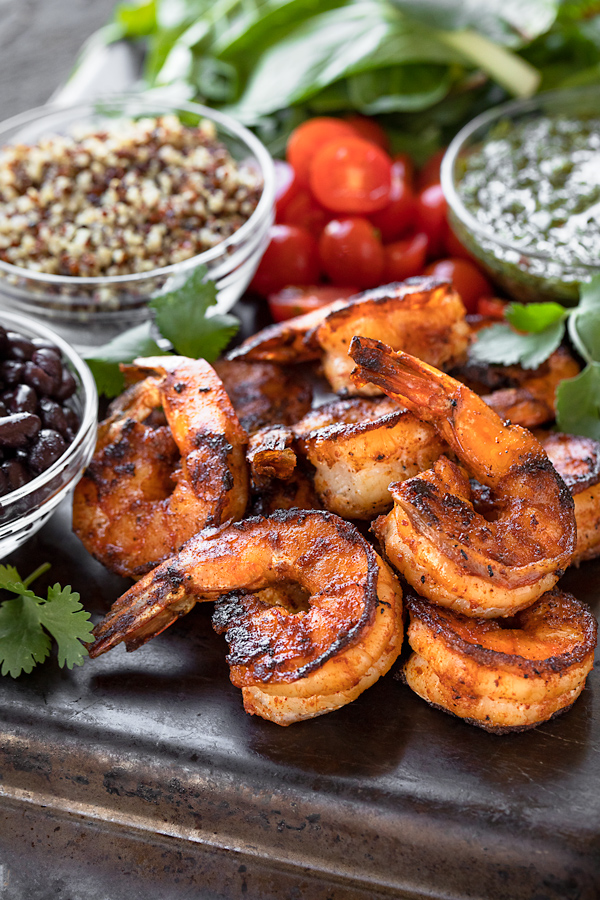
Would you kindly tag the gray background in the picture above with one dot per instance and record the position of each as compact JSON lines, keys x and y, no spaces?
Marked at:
{"x":39,"y":43}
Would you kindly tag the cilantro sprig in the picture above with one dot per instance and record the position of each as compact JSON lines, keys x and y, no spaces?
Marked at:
{"x":28,"y":622}
{"x":533,"y":332}
{"x":180,"y":317}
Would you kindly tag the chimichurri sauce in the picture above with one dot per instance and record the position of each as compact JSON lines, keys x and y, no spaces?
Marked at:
{"x":536,"y":184}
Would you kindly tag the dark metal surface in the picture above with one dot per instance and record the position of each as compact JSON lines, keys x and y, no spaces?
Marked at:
{"x":140,"y":775}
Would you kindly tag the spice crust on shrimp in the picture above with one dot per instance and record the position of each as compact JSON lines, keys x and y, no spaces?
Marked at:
{"x":446,"y":550}
{"x":148,"y":489}
{"x":312,"y":615}
{"x":502,"y":675}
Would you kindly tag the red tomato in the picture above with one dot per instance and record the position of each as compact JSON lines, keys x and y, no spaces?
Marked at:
{"x":396,"y":218}
{"x":430,"y":173}
{"x":406,"y":258}
{"x":304,"y":211}
{"x":286,"y":186}
{"x":370,"y":130}
{"x":409,"y":167}
{"x":351,"y":175}
{"x":466,"y":278}
{"x":431,"y":217}
{"x":306,"y":139}
{"x":296,"y":301}
{"x":491,"y":307}
{"x":351,"y":252}
{"x":292,"y":257}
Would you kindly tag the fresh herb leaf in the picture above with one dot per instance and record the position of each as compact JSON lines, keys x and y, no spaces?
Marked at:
{"x":501,"y":345}
{"x":578,"y":403}
{"x":534,"y":317}
{"x":180,"y":316}
{"x":104,"y":361}
{"x":27,"y":623}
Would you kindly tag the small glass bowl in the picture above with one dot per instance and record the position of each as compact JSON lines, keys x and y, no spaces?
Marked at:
{"x":90,"y":311}
{"x":526,"y":273}
{"x":24,"y":511}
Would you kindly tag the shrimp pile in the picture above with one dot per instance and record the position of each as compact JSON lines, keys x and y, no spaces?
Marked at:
{"x":250,"y":486}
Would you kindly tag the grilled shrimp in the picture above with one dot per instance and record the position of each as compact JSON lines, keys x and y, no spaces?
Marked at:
{"x":148,"y":489}
{"x":424,"y":314}
{"x":264,"y":394}
{"x":525,"y":396}
{"x":577,"y":460}
{"x":445,"y":549}
{"x":503,"y":675}
{"x":312,"y":615}
{"x":358,"y":447}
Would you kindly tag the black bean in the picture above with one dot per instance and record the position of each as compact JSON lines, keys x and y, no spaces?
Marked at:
{"x":68,"y":386}
{"x":19,"y":346}
{"x":73,"y":420}
{"x":45,"y":344}
{"x":53,"y":415}
{"x":18,"y":429}
{"x":11,"y":371}
{"x":21,"y":398}
{"x":44,"y":383}
{"x":46,"y":449}
{"x":16,"y":473}
{"x":50,"y":361}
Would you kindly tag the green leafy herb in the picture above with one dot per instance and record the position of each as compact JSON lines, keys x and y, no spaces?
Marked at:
{"x":180,"y":317}
{"x":540,"y":328}
{"x":27,"y":623}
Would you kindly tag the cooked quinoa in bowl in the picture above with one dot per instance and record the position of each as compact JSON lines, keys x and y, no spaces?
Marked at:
{"x":103,"y":205}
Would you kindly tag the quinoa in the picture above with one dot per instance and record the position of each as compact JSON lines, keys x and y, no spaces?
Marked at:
{"x":131,"y":198}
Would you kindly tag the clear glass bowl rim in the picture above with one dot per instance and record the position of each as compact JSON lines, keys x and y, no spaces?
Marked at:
{"x":484,"y":120}
{"x":26,"y":325}
{"x":152,"y":105}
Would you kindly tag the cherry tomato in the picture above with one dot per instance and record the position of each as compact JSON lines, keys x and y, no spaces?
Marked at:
{"x":370,"y":130}
{"x":491,"y":307}
{"x":396,"y":218}
{"x":431,"y":217}
{"x":466,"y":278}
{"x":292,"y":257}
{"x":405,"y":258}
{"x":307,"y":138}
{"x":351,"y":252}
{"x":351,"y":175}
{"x":296,"y":301}
{"x":286,"y":186}
{"x":304,"y":211}
{"x":409,"y":167}
{"x":430,"y":173}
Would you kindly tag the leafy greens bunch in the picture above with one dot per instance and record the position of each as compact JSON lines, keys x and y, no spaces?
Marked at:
{"x":180,"y":317}
{"x":426,"y":66}
{"x":540,"y":328}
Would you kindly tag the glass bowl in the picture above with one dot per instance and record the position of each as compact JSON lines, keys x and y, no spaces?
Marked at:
{"x":88,"y":311}
{"x":25,"y":510}
{"x":529,"y":268}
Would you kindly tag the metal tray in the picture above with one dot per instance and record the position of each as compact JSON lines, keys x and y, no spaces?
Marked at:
{"x":140,"y":775}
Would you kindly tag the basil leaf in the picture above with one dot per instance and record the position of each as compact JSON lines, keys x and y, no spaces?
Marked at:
{"x":578,"y":403}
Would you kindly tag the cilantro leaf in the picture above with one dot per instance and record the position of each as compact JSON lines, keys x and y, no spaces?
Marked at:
{"x":181,"y":318}
{"x":68,"y":623}
{"x":22,"y":642}
{"x":27,"y":623}
{"x":501,"y":345}
{"x":534,"y":317}
{"x":104,"y":361}
{"x":578,"y":403}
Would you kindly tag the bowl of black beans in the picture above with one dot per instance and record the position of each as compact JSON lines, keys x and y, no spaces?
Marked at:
{"x":48,"y":421}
